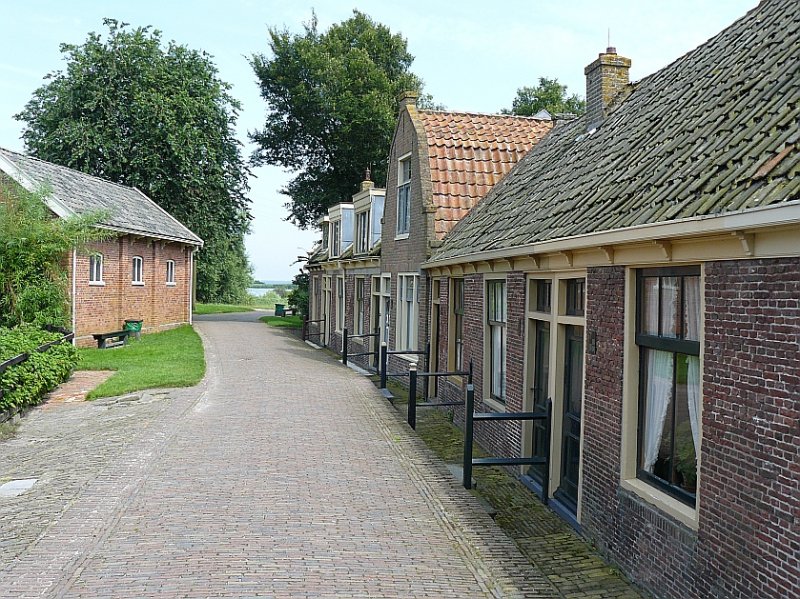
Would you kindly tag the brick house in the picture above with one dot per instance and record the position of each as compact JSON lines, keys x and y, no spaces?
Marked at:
{"x":640,"y":267}
{"x":145,"y":272}
{"x":342,"y":271}
{"x":441,"y":164}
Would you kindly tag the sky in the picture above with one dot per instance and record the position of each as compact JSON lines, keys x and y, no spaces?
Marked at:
{"x":472,"y":55}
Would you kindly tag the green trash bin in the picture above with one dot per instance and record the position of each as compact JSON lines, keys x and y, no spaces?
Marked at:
{"x":134,"y":326}
{"x":279,"y":310}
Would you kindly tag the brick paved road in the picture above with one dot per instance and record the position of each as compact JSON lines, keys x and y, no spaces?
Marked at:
{"x":282,"y":475}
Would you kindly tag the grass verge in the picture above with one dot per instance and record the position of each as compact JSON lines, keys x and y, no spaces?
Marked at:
{"x":220,"y":308}
{"x":171,"y":358}
{"x":288,"y":322}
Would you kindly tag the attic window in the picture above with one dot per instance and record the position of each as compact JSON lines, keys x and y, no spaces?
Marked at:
{"x":137,"y":271}
{"x":404,"y":196}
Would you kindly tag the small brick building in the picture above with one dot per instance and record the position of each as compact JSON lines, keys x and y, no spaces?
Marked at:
{"x":640,"y":268}
{"x":144,"y":272}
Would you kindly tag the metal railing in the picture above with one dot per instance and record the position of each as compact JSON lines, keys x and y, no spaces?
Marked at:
{"x":319,"y":333}
{"x":411,"y":416}
{"x":470,"y":462}
{"x":346,"y":354}
{"x":386,"y":352}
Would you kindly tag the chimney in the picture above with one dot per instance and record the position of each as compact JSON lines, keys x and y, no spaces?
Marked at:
{"x":605,"y":78}
{"x":407,"y":98}
{"x":367,"y":182}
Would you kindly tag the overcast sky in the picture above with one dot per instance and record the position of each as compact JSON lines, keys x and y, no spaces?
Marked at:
{"x":472,"y":56}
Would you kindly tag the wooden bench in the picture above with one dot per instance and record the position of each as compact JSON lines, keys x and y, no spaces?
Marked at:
{"x":107,"y":340}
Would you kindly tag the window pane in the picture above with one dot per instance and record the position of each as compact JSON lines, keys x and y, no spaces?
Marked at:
{"x":649,"y":300}
{"x":543,"y":294}
{"x":497,"y":361}
{"x":670,"y":302}
{"x":656,"y":451}
{"x":687,"y":424}
{"x":691,"y":308}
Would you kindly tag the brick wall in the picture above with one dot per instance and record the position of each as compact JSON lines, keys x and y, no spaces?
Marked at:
{"x":104,"y":308}
{"x":748,"y":538}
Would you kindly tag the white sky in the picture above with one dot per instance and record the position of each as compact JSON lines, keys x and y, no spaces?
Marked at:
{"x":472,"y":55}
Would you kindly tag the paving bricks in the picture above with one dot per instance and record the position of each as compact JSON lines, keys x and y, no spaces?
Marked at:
{"x":283,"y":475}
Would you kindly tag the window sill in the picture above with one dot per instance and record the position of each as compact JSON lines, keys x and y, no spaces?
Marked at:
{"x":401,"y":236}
{"x":410,"y":358}
{"x":495,"y":404}
{"x":97,"y":283}
{"x":172,"y":284}
{"x":680,"y":511}
{"x":137,"y":284}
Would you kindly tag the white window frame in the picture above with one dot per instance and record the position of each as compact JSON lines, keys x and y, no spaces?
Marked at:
{"x":497,"y":335}
{"x":358,"y":305}
{"x":336,"y":238}
{"x":137,"y":273}
{"x":170,"y":273}
{"x":407,"y":312}
{"x":340,"y":301}
{"x":96,"y":270}
{"x":363,"y":232}
{"x":404,"y":175}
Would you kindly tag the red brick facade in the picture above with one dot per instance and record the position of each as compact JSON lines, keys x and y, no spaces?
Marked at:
{"x":102,"y":308}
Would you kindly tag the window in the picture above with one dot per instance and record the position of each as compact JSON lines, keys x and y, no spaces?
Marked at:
{"x":339,"y":303}
{"x":96,"y":269}
{"x":404,"y":196}
{"x":358,"y":313}
{"x":575,"y":297}
{"x":457,"y":320}
{"x":170,"y":272}
{"x":137,"y":277}
{"x":668,"y":338}
{"x":362,"y":232}
{"x":336,"y":238}
{"x":496,"y":316}
{"x":407,"y":305}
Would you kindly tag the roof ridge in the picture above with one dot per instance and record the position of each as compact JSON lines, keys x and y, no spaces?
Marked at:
{"x":490,"y":114}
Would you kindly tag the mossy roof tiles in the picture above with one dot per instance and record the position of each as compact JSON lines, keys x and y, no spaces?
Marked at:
{"x":712,"y":133}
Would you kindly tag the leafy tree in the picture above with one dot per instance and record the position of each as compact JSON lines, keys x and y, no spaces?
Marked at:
{"x":158,"y":118}
{"x":549,"y":95}
{"x":332,"y":101}
{"x":33,"y":278}
{"x":298,"y":297}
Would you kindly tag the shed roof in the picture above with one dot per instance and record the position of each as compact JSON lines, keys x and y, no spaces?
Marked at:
{"x":74,"y":192}
{"x":713,"y":133}
{"x":469,"y":153}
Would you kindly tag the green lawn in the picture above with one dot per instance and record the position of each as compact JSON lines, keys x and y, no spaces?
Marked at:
{"x":220,"y":308}
{"x":171,"y":358}
{"x":291,"y":322}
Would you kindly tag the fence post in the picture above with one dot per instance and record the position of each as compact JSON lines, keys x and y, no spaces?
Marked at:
{"x":468,"y":413}
{"x":412,"y":396}
{"x":546,"y":475}
{"x":377,"y":346}
{"x":344,"y":346}
{"x":305,"y":328}
{"x":469,"y":377}
{"x":384,"y":360}
{"x":427,"y":369}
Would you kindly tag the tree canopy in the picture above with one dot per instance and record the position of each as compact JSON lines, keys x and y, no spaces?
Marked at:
{"x":130,"y":110}
{"x":549,"y":95}
{"x":333,"y":101}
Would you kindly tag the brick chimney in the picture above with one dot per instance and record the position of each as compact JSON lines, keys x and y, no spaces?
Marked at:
{"x":407,"y":98}
{"x":367,"y":182}
{"x":605,"y":78}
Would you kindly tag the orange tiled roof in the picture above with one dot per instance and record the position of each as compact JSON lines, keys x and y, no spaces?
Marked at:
{"x":469,"y":153}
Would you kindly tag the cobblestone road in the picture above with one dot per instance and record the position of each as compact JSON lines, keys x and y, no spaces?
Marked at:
{"x":282,"y":475}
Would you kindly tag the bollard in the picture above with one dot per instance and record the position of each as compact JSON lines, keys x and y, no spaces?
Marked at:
{"x":384,"y":357}
{"x":468,"y":413}
{"x":344,"y":347}
{"x":412,"y":396}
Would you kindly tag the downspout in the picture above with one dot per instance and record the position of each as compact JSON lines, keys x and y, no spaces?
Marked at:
{"x":192,"y":283}
{"x":74,"y":291}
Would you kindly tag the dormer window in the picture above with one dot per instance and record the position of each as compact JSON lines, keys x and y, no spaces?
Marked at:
{"x":336,"y":238}
{"x":362,"y":232}
{"x":404,"y":196}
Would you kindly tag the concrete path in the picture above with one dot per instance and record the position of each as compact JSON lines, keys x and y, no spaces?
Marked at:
{"x":283,"y":474}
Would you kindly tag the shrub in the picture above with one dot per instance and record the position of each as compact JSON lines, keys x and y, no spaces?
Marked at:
{"x":25,"y":384}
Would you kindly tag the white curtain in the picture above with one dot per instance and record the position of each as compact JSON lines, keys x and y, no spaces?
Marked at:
{"x":693,"y":395}
{"x":659,"y":395}
{"x":691,"y":291}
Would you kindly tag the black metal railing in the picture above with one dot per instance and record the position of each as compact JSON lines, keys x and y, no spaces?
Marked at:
{"x":411,"y":416}
{"x":386,"y":352}
{"x":470,"y":462}
{"x":307,"y":334}
{"x":346,"y":353}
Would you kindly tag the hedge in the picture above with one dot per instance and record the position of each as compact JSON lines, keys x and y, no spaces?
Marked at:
{"x":26,"y":383}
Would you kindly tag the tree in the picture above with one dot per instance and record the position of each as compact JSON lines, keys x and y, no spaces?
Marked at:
{"x":298,"y":297}
{"x":332,"y":101}
{"x":549,"y":95}
{"x":157,"y":118}
{"x":33,"y":278}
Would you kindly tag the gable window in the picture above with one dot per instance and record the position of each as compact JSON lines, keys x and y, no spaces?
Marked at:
{"x":137,"y":273}
{"x":407,"y":310}
{"x":362,"y":232}
{"x":668,"y":339}
{"x":339,"y":303}
{"x":457,"y":320}
{"x":170,"y":272}
{"x":404,"y":196}
{"x":96,"y":269}
{"x":496,"y":318}
{"x":358,"y":313}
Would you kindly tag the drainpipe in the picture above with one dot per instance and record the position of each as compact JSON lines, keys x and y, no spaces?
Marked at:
{"x":192,"y":283}
{"x":74,"y":291}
